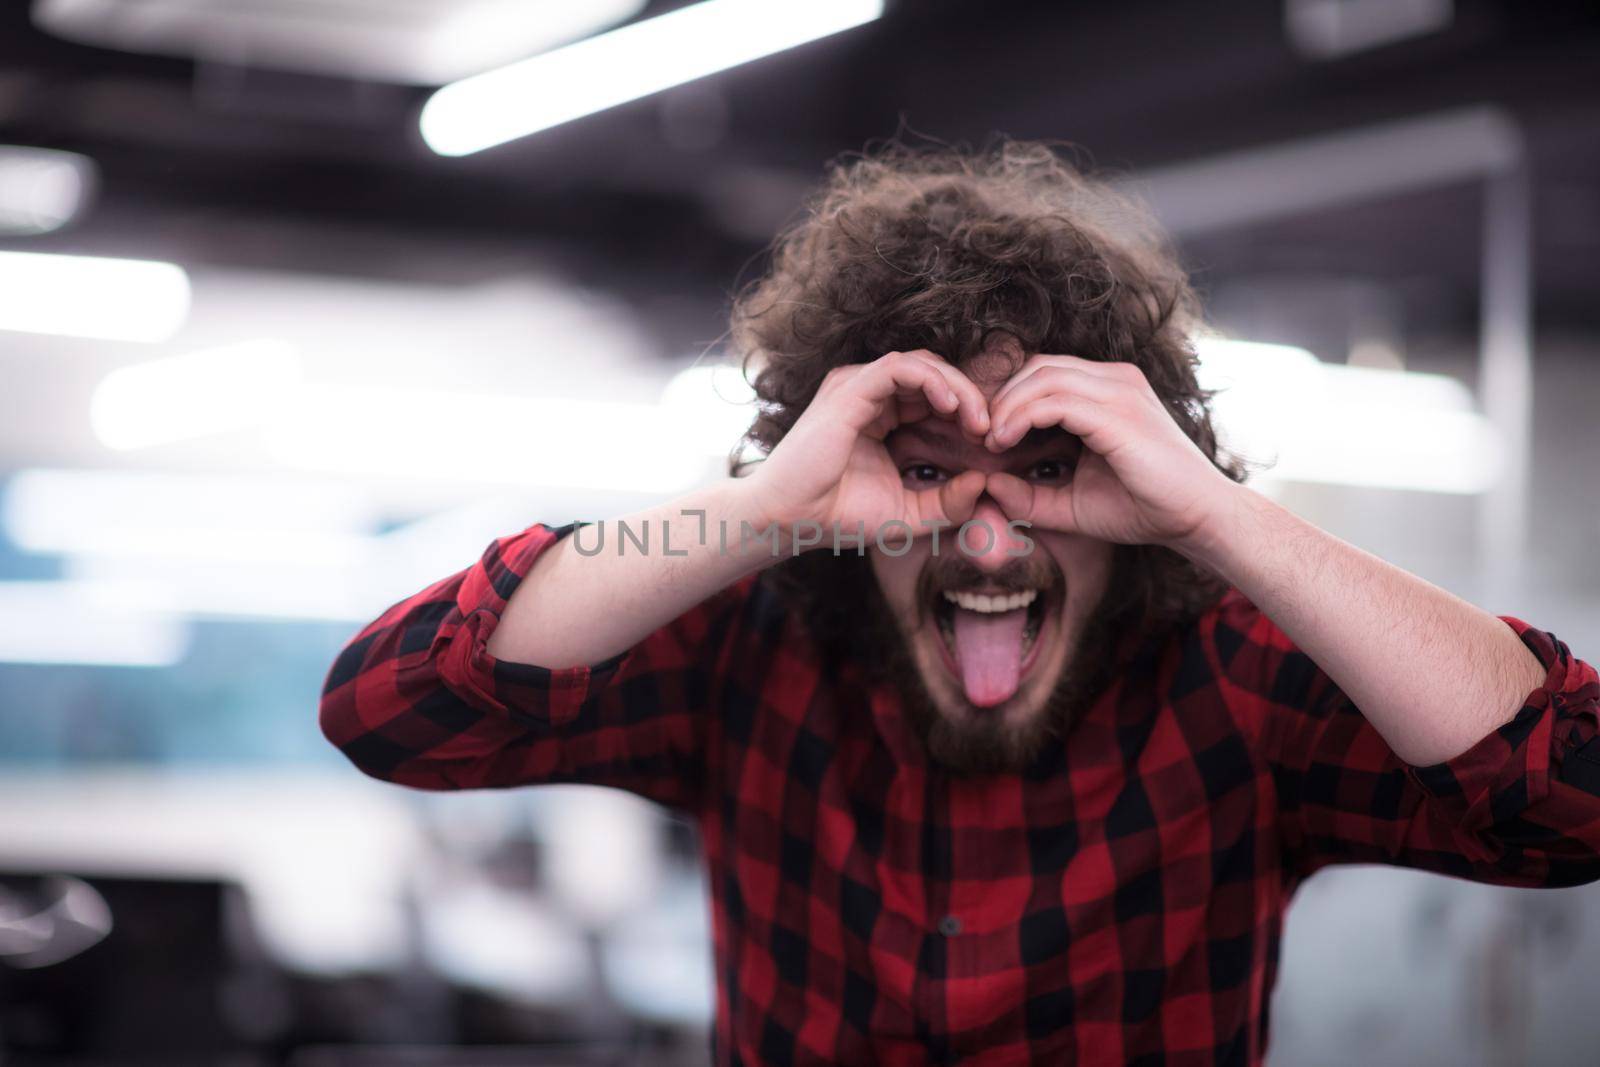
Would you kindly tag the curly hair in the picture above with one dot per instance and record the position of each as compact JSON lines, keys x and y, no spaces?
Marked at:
{"x":942,"y":248}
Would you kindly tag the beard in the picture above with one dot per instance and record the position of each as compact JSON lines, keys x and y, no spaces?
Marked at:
{"x":861,"y":620}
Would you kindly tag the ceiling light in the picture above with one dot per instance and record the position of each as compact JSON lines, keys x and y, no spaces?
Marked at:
{"x":487,"y":439}
{"x":1333,"y":29}
{"x":90,"y":296}
{"x":1311,"y":421}
{"x":145,"y":515}
{"x":42,"y":189}
{"x":80,"y":623}
{"x":412,"y":42}
{"x":627,"y":63}
{"x":209,"y":588}
{"x":182,"y":397}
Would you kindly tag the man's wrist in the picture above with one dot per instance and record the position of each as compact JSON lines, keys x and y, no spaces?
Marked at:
{"x":748,"y":503}
{"x":755,"y":529}
{"x":769,"y":512}
{"x":1230,"y":527}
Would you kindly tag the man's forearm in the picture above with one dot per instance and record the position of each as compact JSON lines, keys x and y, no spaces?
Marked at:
{"x":575,"y":609}
{"x":1431,"y":672}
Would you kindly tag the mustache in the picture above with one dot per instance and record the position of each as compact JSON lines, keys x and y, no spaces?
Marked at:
{"x":956,"y":572}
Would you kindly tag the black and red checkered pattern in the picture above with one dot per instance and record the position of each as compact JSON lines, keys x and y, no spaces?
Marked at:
{"x":1121,"y":901}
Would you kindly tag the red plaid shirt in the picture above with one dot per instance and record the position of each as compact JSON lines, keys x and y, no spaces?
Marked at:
{"x":1122,"y":901}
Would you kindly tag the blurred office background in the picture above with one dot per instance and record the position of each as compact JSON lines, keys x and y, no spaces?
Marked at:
{"x":360,"y":340}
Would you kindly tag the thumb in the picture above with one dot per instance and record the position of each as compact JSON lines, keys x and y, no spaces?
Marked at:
{"x":958,"y":497}
{"x":1050,"y":508}
{"x":953,"y":502}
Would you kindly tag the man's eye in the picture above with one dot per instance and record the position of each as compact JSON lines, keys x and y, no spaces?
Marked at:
{"x":922,"y":474}
{"x":1050,"y":470}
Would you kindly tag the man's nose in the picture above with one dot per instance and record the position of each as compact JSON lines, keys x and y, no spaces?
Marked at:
{"x":986,"y":538}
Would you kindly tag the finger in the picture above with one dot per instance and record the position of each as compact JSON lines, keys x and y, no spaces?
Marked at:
{"x":958,"y":497}
{"x":902,"y":408}
{"x":1053,"y":379}
{"x":969,"y":408}
{"x":1027,"y":371}
{"x":1007,"y":424}
{"x":1079,"y":415}
{"x":926,"y":374}
{"x":898,"y":376}
{"x":974,"y":410}
{"x":1105,"y":368}
{"x":914,"y":406}
{"x":950,"y":503}
{"x":1094,"y":367}
{"x":1049,"y":507}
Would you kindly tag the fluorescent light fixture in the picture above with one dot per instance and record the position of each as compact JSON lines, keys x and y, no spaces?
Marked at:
{"x":457,"y":437}
{"x":627,"y":63}
{"x":475,"y":35}
{"x":412,"y":42}
{"x":182,"y":397}
{"x":162,"y":544}
{"x":1332,"y":29}
{"x":1399,"y":448}
{"x":90,"y":296}
{"x":1329,"y":423}
{"x":306,"y":589}
{"x":82,"y":623}
{"x":149,"y":515}
{"x":42,"y":189}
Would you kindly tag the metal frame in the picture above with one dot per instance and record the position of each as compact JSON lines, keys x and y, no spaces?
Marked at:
{"x":1483,"y":144}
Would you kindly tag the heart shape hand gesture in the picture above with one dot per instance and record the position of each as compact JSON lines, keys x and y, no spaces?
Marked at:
{"x":1139,"y":478}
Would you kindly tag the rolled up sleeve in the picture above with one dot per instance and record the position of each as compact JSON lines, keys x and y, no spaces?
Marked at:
{"x":417,"y":699}
{"x":1531,"y":789}
{"x":1520,"y":807}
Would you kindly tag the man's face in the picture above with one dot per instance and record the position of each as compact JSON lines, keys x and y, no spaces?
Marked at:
{"x":992,"y":633}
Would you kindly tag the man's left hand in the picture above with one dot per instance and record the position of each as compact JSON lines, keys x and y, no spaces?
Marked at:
{"x":1139,"y":480}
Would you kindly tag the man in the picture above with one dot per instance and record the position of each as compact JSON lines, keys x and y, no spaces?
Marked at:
{"x":1037,"y":790}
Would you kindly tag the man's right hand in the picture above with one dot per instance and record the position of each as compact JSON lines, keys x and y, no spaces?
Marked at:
{"x":832,"y":466}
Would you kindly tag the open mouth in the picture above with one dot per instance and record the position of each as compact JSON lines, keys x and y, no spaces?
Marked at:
{"x":991,"y":639}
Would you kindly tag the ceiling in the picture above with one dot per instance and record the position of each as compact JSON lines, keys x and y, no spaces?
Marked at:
{"x":666,"y":200}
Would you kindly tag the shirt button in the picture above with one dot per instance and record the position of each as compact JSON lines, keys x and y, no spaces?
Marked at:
{"x":950,"y":926}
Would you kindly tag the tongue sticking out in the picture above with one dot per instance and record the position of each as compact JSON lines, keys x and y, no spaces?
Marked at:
{"x":988,"y":649}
